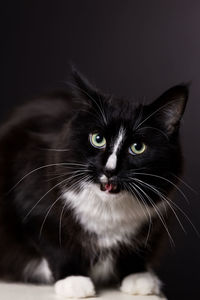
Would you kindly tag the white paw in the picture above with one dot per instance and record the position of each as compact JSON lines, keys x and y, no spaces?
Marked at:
{"x":75,"y":287}
{"x":141,"y":284}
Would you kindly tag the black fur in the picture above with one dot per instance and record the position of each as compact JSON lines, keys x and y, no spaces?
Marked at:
{"x":64,"y":121}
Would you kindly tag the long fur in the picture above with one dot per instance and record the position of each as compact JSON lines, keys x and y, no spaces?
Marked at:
{"x":54,"y":215}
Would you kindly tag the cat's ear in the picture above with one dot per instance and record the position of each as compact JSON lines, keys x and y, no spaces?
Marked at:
{"x":168,"y":109}
{"x":83,"y":91}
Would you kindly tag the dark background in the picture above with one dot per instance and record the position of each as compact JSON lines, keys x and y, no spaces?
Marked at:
{"x":131,"y":48}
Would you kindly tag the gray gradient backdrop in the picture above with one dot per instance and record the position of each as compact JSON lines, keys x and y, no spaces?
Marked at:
{"x":131,"y":48}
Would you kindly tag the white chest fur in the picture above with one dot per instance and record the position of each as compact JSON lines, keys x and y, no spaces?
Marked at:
{"x":113,"y":217}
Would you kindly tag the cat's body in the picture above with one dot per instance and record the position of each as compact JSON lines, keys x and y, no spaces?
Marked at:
{"x":69,"y":207}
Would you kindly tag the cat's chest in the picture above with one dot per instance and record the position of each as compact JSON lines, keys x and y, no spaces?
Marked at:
{"x":113,"y":218}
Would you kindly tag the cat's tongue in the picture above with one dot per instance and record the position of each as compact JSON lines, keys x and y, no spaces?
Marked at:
{"x":109,"y":187}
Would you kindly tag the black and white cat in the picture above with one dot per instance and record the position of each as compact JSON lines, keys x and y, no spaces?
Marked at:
{"x":85,"y":180}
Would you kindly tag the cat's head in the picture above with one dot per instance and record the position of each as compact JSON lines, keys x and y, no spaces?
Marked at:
{"x":119,"y":145}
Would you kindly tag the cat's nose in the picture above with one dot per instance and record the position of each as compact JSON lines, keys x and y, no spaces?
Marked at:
{"x":109,"y":172}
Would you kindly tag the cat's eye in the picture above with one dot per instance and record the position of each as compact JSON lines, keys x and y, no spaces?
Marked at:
{"x":137,"y":148}
{"x":97,"y":140}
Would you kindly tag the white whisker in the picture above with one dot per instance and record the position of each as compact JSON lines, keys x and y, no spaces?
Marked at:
{"x":68,"y":173}
{"x":167,"y":180}
{"x":185,"y":183}
{"x":31,"y":172}
{"x":98,"y":106}
{"x":43,"y":167}
{"x":162,"y":196}
{"x":30,"y":211}
{"x":60,"y":224}
{"x":158,"y":213}
{"x":146,"y":207}
{"x":41,"y":228}
{"x":55,"y":150}
{"x":186,"y":216}
{"x":153,"y":113}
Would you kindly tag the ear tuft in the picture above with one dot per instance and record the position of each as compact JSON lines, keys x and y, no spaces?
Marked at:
{"x":81,"y":88}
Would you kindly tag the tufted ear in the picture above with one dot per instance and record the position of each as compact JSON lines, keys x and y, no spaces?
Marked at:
{"x":168,"y":109}
{"x":82,"y":89}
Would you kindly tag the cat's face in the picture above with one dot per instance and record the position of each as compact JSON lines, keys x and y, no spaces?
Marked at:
{"x":120,"y":146}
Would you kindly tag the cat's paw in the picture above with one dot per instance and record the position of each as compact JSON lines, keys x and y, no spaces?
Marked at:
{"x":75,"y":287}
{"x":141,"y":284}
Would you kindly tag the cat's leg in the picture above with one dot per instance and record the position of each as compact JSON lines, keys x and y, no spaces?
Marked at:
{"x":144,"y":283}
{"x":71,"y":274}
{"x":75,"y":287}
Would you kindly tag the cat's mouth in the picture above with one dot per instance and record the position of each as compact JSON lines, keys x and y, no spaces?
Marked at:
{"x":110,"y":187}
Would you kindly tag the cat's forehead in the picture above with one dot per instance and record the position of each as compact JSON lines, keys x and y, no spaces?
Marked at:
{"x":122,"y":114}
{"x":110,"y":115}
{"x":122,"y":107}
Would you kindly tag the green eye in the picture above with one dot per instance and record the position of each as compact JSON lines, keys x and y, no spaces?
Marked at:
{"x":137,"y":148}
{"x":97,"y":140}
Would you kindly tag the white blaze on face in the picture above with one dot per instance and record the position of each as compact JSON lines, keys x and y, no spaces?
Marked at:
{"x":112,"y":159}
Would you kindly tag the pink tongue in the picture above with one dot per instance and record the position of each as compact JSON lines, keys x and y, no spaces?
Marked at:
{"x":108,"y":187}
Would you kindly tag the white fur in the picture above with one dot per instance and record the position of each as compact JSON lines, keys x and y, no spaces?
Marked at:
{"x":75,"y":287}
{"x":103,"y":178}
{"x":141,"y":284}
{"x":103,"y":269}
{"x":38,"y":271}
{"x":113,"y":217}
{"x":112,"y":160}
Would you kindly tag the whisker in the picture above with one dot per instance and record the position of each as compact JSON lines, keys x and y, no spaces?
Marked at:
{"x":55,"y":150}
{"x":186,"y":216}
{"x":102,"y":109}
{"x":84,"y":178}
{"x":60,"y":224}
{"x":167,"y":180}
{"x":152,"y":114}
{"x":40,"y":168}
{"x":43,"y":198}
{"x":41,"y":228}
{"x":161,"y":195}
{"x":75,"y":184}
{"x":98,"y":106}
{"x":138,"y":118}
{"x":177,"y":207}
{"x":132,"y":171}
{"x":185,"y":183}
{"x":74,"y":176}
{"x":133,"y":191}
{"x":68,"y":173}
{"x":158,"y":213}
{"x":65,"y":180}
{"x":149,"y":215}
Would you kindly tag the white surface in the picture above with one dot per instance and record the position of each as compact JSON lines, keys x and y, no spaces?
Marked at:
{"x":31,"y":292}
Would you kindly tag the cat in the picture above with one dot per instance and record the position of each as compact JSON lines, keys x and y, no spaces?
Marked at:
{"x":85,"y":180}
